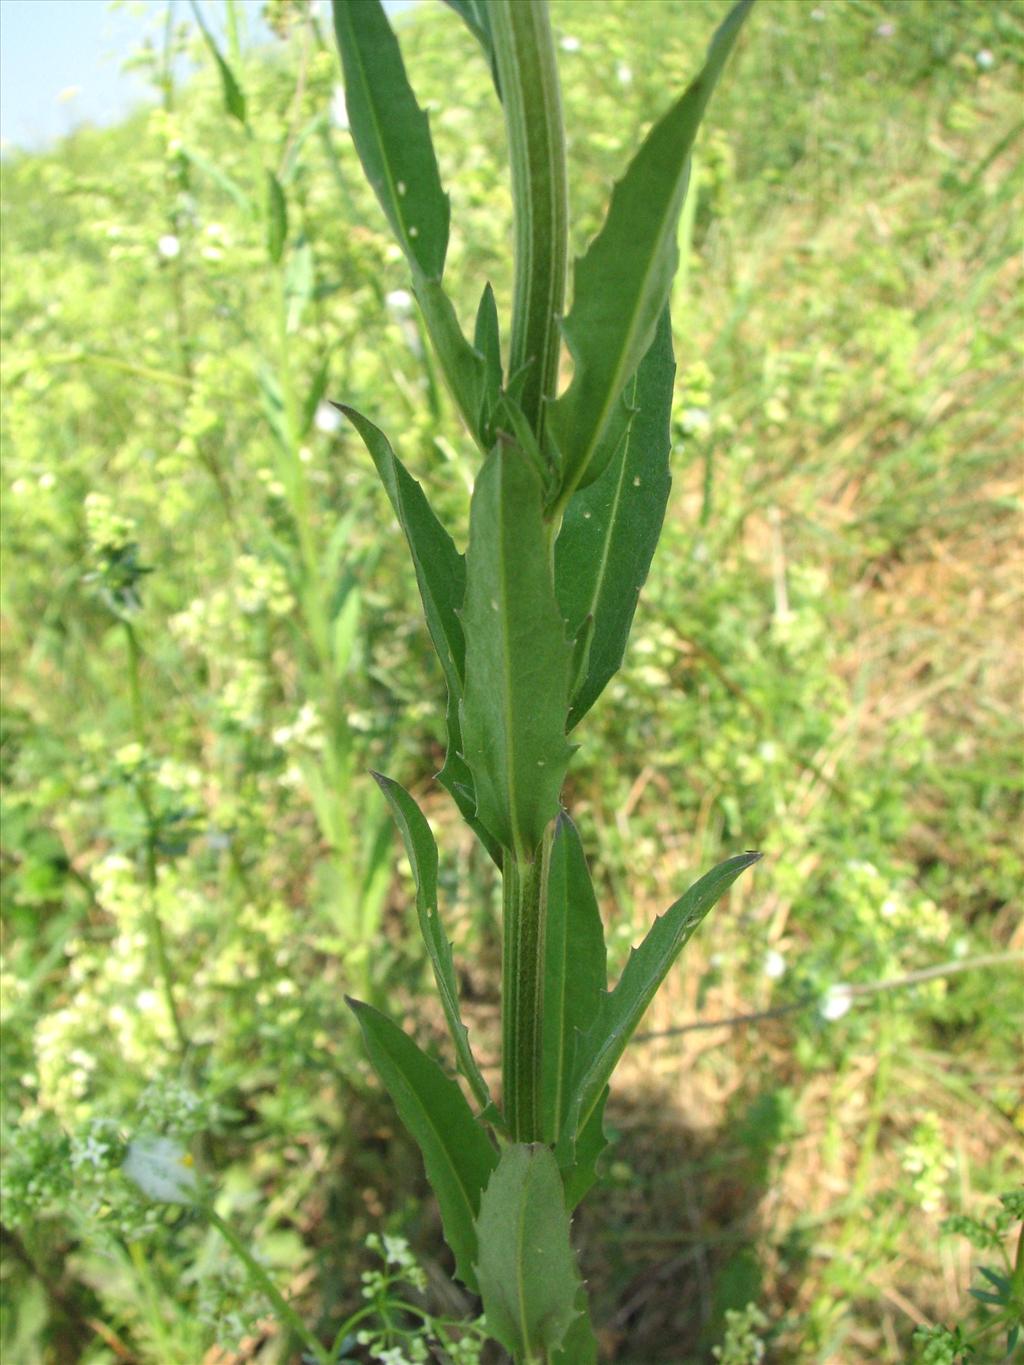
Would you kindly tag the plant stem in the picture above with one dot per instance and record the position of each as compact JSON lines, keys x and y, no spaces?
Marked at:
{"x":157,"y":939}
{"x":282,"y":1307}
{"x":528,"y":72}
{"x":524,"y":889}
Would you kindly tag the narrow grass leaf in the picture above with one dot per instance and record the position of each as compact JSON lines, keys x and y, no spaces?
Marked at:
{"x":575,"y":968}
{"x":526,"y":1268}
{"x":277,"y":218}
{"x":456,"y":1151}
{"x":622,"y":1009}
{"x":611,"y":528}
{"x":221,"y":178}
{"x":313,"y":398}
{"x":517,"y":657}
{"x":622,"y":282}
{"x":391,"y":134}
{"x":422,"y":852}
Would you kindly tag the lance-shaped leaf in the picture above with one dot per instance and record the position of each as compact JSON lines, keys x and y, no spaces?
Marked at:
{"x":487,"y":343}
{"x":526,"y":1268}
{"x":575,"y":968}
{"x":234,"y":99}
{"x":440,"y":568}
{"x":422,"y":851}
{"x":611,"y":528}
{"x":391,"y":134}
{"x":517,"y":657}
{"x":622,"y":282}
{"x":621,"y":1010}
{"x":277,"y":217}
{"x":456,"y":1151}
{"x":462,"y":365}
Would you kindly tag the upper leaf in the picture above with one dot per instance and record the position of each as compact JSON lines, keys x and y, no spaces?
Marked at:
{"x":391,"y":134}
{"x":422,"y":852}
{"x":575,"y":968}
{"x":527,"y":1270}
{"x":611,"y":528}
{"x":622,"y":282}
{"x":620,"y":1012}
{"x":456,"y":1151}
{"x":517,"y":657}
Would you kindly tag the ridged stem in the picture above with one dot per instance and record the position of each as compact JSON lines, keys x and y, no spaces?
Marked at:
{"x":525,"y":55}
{"x":524,"y":894}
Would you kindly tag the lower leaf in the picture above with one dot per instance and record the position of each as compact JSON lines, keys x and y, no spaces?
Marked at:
{"x":456,"y":1151}
{"x":526,"y":1267}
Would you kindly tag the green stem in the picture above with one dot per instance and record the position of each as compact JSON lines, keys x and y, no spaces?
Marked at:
{"x":157,"y":938}
{"x":524,"y":888}
{"x":525,"y":54}
{"x":281,"y":1305}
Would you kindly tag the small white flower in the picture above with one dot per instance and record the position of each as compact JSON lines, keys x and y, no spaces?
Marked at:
{"x":92,"y":1151}
{"x":327,"y":418}
{"x":985,"y":59}
{"x":168,"y":246}
{"x":47,"y":481}
{"x":162,"y":1170}
{"x":624,"y":73}
{"x":835,"y":1003}
{"x":569,"y":43}
{"x":885,"y":30}
{"x":818,"y":15}
{"x":774,"y":965}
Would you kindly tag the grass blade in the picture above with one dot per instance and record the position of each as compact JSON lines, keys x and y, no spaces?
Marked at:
{"x":391,"y":134}
{"x":611,"y":528}
{"x":456,"y":1151}
{"x":517,"y":657}
{"x":622,"y":282}
{"x":422,"y":851}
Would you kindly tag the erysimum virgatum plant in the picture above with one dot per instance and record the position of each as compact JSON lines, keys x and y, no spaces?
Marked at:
{"x":529,"y":625}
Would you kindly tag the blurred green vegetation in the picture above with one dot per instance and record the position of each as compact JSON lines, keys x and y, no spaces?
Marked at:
{"x":211,"y":634}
